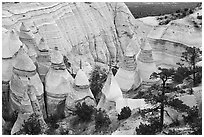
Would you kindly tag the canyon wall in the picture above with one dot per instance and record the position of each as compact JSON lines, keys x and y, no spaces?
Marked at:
{"x":91,"y":32}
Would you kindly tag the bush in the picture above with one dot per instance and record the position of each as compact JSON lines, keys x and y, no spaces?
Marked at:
{"x":125,"y":113}
{"x":97,"y":79}
{"x":52,"y":120}
{"x":101,"y":120}
{"x":199,"y":17}
{"x":180,"y":74}
{"x":194,"y":121}
{"x":32,"y":126}
{"x":84,"y":112}
{"x":149,"y":129}
{"x":177,"y":105}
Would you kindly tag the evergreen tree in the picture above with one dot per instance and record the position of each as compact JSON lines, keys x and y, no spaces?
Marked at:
{"x":191,"y":56}
{"x":163,"y":75}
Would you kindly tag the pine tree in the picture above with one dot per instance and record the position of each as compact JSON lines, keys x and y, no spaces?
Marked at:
{"x":191,"y":56}
{"x":164,"y":75}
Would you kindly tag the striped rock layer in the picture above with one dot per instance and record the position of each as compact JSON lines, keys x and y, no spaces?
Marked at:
{"x":128,"y":76}
{"x":81,"y":93}
{"x":22,"y":70}
{"x":58,"y":85}
{"x":94,"y":31}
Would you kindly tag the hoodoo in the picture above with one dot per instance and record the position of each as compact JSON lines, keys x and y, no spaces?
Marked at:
{"x":146,"y":64}
{"x":81,"y":92}
{"x":58,"y":84}
{"x":27,"y":37}
{"x":43,"y":59}
{"x":10,"y":45}
{"x":22,"y":70}
{"x":128,"y":76}
{"x":111,"y":92}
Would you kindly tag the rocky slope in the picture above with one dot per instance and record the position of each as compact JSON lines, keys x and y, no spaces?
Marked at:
{"x":169,"y":41}
{"x":100,"y":33}
{"x":87,"y":31}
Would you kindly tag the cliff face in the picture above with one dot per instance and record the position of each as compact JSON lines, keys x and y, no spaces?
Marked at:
{"x":169,"y":41}
{"x":88,"y":31}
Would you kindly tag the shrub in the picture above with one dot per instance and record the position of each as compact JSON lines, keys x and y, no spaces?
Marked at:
{"x":199,"y":17}
{"x":101,"y":120}
{"x":125,"y":113}
{"x":97,"y":79}
{"x":52,"y":120}
{"x":190,"y":11}
{"x":177,"y":105}
{"x":84,"y":112}
{"x":180,"y":74}
{"x":32,"y":126}
{"x":149,"y":129}
{"x":194,"y":121}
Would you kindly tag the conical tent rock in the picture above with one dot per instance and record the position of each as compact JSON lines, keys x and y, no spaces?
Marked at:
{"x":130,"y":51}
{"x":81,"y":92}
{"x":25,"y":111}
{"x":58,"y":85}
{"x":56,"y":56}
{"x":81,"y":79}
{"x":146,"y":64}
{"x":27,"y":37}
{"x":111,"y":92}
{"x":43,"y":59}
{"x":23,"y":64}
{"x":128,"y":76}
{"x":8,"y":58}
{"x":25,"y":32}
{"x":42,"y":46}
{"x":36,"y":34}
{"x":22,"y":69}
{"x":87,"y":68}
{"x":10,"y":44}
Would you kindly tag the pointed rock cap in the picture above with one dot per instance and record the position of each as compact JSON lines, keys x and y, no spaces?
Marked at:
{"x":25,"y":32}
{"x":56,"y":56}
{"x":111,"y":88}
{"x":129,"y":49}
{"x":10,"y":44}
{"x":81,"y":78}
{"x":23,"y":62}
{"x":24,"y":28}
{"x":145,"y":45}
{"x":42,"y":45}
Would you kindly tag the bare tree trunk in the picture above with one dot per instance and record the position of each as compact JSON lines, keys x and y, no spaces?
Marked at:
{"x":162,"y":106}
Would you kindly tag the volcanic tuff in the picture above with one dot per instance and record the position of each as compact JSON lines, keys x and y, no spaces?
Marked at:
{"x":91,"y":31}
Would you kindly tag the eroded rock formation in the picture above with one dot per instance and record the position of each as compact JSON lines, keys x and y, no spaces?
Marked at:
{"x":81,"y":93}
{"x":58,"y":84}
{"x":92,"y":30}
